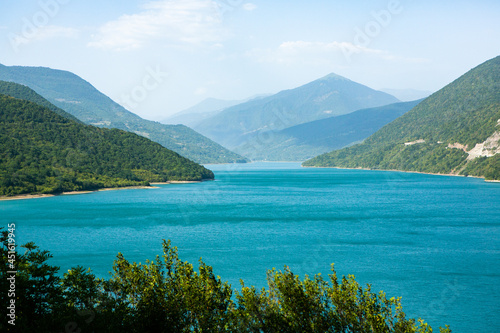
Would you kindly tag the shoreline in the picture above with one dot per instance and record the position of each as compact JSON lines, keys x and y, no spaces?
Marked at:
{"x":420,"y":172}
{"x":39,"y":196}
{"x":177,"y":182}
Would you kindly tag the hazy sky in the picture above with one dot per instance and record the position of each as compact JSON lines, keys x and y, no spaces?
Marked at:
{"x":159,"y":57}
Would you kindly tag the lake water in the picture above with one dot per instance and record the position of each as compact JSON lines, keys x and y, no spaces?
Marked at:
{"x":433,"y":240}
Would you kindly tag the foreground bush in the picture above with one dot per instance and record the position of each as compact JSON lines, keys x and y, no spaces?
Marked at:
{"x":168,"y":295}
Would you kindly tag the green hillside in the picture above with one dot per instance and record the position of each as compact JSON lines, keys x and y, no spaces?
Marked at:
{"x":304,"y":141}
{"x":329,"y":96}
{"x":79,"y":98}
{"x":43,"y":152}
{"x":443,"y":133}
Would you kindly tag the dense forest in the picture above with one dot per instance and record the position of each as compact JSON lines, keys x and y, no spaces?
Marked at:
{"x":466,"y":112}
{"x":169,"y":295}
{"x":44,"y":152}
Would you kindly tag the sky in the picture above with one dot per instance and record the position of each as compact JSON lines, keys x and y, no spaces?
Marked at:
{"x":159,"y":57}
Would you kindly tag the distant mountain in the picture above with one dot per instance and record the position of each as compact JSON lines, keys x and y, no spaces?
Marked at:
{"x":197,"y":113}
{"x":329,"y":96}
{"x":205,"y":109}
{"x":44,"y":152}
{"x":304,"y":141}
{"x":79,"y":98}
{"x":454,"y":131}
{"x":209,"y":105}
{"x":407,"y":95}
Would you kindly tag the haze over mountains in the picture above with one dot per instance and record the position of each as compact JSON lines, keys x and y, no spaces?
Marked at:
{"x":454,"y":131}
{"x":329,"y":96}
{"x":205,"y":109}
{"x":257,"y":128}
{"x":79,"y":98}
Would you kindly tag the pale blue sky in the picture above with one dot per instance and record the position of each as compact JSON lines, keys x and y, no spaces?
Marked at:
{"x":159,"y":57}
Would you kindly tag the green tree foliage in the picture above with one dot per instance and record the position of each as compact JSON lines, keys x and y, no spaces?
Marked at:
{"x":169,"y":295}
{"x":487,"y":167}
{"x":466,"y":111}
{"x":43,"y":152}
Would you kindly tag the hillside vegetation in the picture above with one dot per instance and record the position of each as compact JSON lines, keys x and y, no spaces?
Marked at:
{"x":79,"y":98}
{"x":43,"y":152}
{"x":442,"y":134}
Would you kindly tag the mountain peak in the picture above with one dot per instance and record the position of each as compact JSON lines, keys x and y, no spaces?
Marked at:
{"x":334,"y":77}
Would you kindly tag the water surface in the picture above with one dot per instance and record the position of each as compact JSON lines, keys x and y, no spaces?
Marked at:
{"x":433,"y":240}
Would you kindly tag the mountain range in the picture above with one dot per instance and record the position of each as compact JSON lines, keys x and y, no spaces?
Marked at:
{"x":47,"y":151}
{"x":454,"y":131}
{"x":78,"y":97}
{"x":329,"y":96}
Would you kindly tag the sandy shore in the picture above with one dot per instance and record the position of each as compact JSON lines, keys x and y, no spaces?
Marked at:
{"x":37,"y":196}
{"x":25,"y":196}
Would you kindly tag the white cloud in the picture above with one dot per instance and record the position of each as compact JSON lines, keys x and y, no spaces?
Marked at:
{"x":169,"y":21}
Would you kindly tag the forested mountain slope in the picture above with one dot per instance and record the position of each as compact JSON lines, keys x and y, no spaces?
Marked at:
{"x":454,"y":131}
{"x":43,"y":152}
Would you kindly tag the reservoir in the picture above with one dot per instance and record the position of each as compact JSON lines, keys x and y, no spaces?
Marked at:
{"x":434,"y":240}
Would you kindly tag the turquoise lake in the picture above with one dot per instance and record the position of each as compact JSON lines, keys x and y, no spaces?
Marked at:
{"x":434,"y":240}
